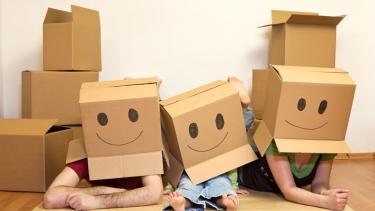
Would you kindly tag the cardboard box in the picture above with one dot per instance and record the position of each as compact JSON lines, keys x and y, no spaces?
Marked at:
{"x":307,"y":109}
{"x":77,"y":131}
{"x":71,"y":40}
{"x":53,"y":94}
{"x":205,"y":132}
{"x":121,"y":127}
{"x":32,"y":153}
{"x":303,"y":39}
{"x":258,"y":91}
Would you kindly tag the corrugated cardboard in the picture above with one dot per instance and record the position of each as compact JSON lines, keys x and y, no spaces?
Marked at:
{"x":306,"y":129}
{"x":77,"y":131}
{"x":32,"y":153}
{"x":216,"y":148}
{"x":71,"y":40}
{"x":118,"y":144}
{"x":258,"y":91}
{"x":303,"y":39}
{"x":53,"y":94}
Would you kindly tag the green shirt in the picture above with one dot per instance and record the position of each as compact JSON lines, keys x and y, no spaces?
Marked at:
{"x":299,"y":173}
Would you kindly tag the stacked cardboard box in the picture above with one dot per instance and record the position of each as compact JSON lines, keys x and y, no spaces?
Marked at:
{"x":33,"y":151}
{"x":302,"y":102}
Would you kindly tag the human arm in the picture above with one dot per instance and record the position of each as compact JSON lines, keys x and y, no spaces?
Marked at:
{"x":149,"y":194}
{"x":64,"y":184}
{"x":281,"y":171}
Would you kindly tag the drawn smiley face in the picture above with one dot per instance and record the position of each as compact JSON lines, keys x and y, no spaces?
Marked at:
{"x":193,"y":131}
{"x":103,"y":120}
{"x":301,"y":105}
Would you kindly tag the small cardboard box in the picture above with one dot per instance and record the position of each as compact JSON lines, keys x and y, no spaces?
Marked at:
{"x":303,"y":39}
{"x":53,"y":94}
{"x":307,"y":109}
{"x":71,"y":40}
{"x":205,"y":132}
{"x":32,"y":153}
{"x":121,"y":128}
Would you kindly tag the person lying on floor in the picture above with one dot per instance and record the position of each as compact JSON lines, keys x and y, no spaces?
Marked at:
{"x":110,"y":193}
{"x":288,"y":173}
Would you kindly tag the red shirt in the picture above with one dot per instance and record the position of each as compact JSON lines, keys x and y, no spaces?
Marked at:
{"x":81,"y":169}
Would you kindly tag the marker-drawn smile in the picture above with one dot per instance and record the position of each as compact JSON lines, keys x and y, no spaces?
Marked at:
{"x":305,"y":128}
{"x":122,"y":144}
{"x":211,"y":147}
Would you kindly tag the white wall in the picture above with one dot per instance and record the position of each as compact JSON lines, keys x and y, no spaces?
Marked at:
{"x":189,"y":43}
{"x":1,"y":58}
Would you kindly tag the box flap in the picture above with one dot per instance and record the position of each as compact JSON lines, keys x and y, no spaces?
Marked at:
{"x":86,"y":16}
{"x":293,"y":17}
{"x":317,"y":75}
{"x":118,"y":90}
{"x":175,"y":170}
{"x":259,"y":91}
{"x":221,"y":164}
{"x":282,"y":16}
{"x":118,"y":83}
{"x":25,"y":126}
{"x":76,"y":151}
{"x":312,"y":146}
{"x":57,"y":16}
{"x":316,"y":20}
{"x":131,"y":165}
{"x":262,"y":137}
{"x":191,"y":93}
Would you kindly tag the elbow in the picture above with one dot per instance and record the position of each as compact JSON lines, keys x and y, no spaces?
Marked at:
{"x":51,"y":201}
{"x":288,"y":195}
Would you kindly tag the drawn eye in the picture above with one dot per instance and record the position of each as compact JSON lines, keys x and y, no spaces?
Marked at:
{"x":102,"y":119}
{"x":301,"y":104}
{"x":323,"y":106}
{"x":193,"y":130}
{"x":219,"y":121}
{"x":133,"y":115}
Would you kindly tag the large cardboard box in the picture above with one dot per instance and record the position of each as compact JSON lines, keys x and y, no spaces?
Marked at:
{"x":307,"y":109}
{"x":53,"y":94}
{"x":121,"y":128}
{"x":303,"y":39}
{"x":205,"y":132}
{"x":71,"y":40}
{"x":32,"y":153}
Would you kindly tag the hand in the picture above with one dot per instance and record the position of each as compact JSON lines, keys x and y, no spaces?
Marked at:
{"x":336,"y":198}
{"x":83,"y":201}
{"x":243,"y":192}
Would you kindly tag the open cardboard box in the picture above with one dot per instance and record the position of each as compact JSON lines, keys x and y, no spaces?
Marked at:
{"x":303,"y":39}
{"x":54,"y":94}
{"x":32,"y":153}
{"x":121,"y":128}
{"x":205,"y":132}
{"x":71,"y":40}
{"x":306,"y":109}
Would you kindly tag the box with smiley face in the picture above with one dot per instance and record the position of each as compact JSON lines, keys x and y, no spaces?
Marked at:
{"x":121,"y":128}
{"x":306,"y":109}
{"x":205,"y":132}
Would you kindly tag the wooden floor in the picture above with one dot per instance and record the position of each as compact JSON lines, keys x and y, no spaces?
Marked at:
{"x":356,"y":175}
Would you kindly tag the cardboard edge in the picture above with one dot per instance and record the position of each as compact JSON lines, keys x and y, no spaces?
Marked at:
{"x":312,"y":146}
{"x":229,"y":160}
{"x":76,"y":151}
{"x":262,"y":137}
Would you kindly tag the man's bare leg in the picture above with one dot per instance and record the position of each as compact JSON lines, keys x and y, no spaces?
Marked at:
{"x":239,"y":86}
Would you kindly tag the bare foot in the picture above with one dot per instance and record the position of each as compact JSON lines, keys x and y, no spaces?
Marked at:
{"x":239,"y":86}
{"x":229,"y":202}
{"x":177,"y":201}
